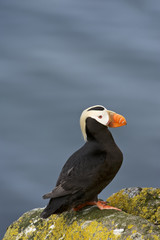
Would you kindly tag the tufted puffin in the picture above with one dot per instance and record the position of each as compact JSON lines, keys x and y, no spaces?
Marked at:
{"x":91,"y":168}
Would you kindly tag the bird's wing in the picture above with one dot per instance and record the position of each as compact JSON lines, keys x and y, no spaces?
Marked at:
{"x":80,"y":172}
{"x":58,"y":191}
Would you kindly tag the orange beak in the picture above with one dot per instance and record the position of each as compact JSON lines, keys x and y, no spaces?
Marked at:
{"x":116,"y":120}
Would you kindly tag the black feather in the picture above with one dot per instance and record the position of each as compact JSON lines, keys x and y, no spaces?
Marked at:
{"x":55,"y":205}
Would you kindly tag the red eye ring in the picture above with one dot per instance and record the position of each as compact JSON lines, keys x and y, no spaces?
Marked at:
{"x":100,"y":116}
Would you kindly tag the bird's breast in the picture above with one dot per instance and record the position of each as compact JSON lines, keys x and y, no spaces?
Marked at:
{"x":115,"y":157}
{"x":111,"y":165}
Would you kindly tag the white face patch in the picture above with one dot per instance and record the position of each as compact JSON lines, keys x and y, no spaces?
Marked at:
{"x":100,"y":116}
{"x":99,"y":113}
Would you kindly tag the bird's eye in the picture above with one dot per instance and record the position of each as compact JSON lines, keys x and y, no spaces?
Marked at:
{"x":100,"y":116}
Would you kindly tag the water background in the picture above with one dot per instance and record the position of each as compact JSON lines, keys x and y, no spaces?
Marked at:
{"x":58,"y":58}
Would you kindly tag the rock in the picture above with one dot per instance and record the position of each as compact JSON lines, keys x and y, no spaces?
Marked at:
{"x":143,"y":202}
{"x":92,"y":223}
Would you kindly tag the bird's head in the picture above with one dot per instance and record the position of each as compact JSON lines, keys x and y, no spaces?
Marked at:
{"x":103,"y":116}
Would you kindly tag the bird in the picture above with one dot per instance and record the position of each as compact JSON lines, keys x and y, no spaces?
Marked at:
{"x":91,"y":168}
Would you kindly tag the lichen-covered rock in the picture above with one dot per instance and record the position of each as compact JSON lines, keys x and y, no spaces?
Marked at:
{"x":144,"y":202}
{"x":89,"y":223}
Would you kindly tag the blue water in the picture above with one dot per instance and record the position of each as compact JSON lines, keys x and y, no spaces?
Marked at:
{"x":58,"y":58}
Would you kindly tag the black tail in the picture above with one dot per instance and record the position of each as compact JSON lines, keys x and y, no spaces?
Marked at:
{"x":55,"y":205}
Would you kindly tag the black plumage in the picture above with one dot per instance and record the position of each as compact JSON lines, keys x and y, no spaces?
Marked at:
{"x":87,"y":172}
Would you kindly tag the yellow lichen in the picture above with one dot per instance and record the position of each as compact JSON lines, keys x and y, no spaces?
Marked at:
{"x":129,"y":238}
{"x":93,"y":223}
{"x":156,"y":237}
{"x":130,"y":226}
{"x":144,"y":225}
{"x":56,"y":228}
{"x":140,"y":204}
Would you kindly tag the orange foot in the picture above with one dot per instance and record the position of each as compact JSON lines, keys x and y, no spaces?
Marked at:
{"x":103,"y":205}
{"x":100,"y":204}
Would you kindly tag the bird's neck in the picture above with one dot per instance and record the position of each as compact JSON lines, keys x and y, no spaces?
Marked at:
{"x":99,"y":133}
{"x":104,"y":138}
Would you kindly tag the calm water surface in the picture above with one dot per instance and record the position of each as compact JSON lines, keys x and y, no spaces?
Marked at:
{"x":56,"y":59}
